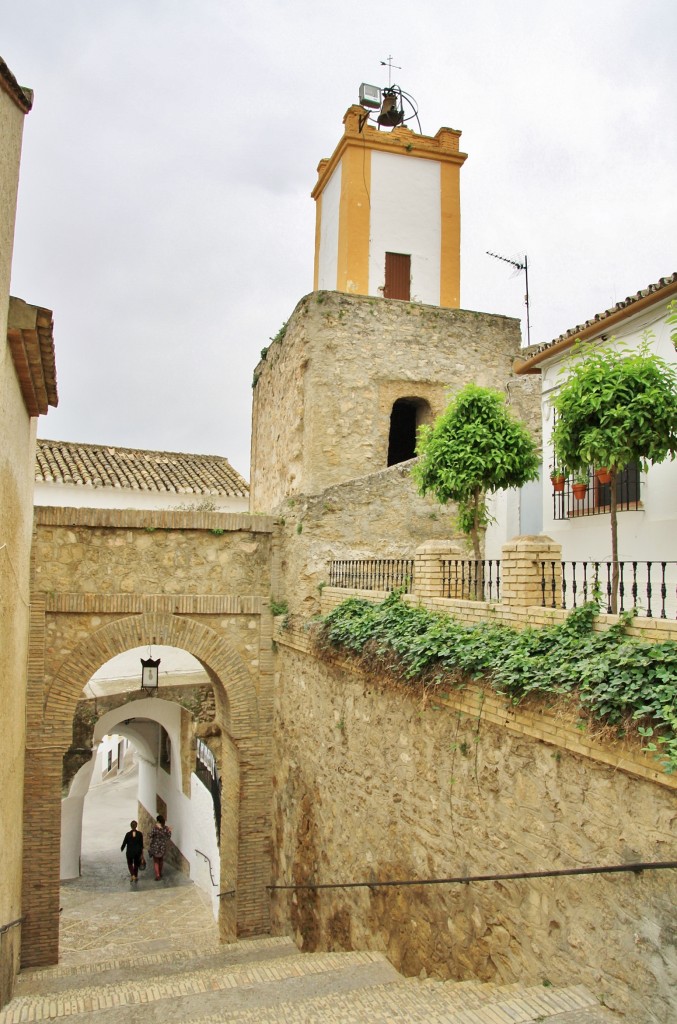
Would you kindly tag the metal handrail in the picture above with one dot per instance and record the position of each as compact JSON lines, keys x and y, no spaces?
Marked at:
{"x":466,"y":879}
{"x":209,"y":865}
{"x":12,"y":924}
{"x":219,"y":895}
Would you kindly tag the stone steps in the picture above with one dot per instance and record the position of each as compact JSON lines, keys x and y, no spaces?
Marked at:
{"x":268,"y":981}
{"x":52,"y":980}
{"x":407,"y":1003}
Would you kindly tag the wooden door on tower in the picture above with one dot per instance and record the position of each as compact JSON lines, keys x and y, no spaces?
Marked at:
{"x":398,"y":276}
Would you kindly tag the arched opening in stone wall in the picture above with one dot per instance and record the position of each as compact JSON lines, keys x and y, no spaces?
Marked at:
{"x":145,"y":748}
{"x":406,"y":416}
{"x":230,"y":731}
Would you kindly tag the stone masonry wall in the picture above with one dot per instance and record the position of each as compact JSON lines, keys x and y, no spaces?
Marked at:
{"x":372,"y":782}
{"x":324,"y":391}
{"x":352,"y":520}
{"x":100,"y":551}
{"x":279,"y":394}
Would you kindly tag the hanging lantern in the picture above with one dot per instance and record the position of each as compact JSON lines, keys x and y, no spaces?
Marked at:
{"x":149,"y":674}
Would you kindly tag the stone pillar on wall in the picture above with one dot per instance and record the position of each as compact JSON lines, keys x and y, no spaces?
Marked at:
{"x":428,"y":566}
{"x":526,"y":564}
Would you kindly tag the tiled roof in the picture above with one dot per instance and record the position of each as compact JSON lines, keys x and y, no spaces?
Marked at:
{"x":8,"y":83}
{"x":30,"y":335}
{"x":66,"y":462}
{"x":536,"y":353}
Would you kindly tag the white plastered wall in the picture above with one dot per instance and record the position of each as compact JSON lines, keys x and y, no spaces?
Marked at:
{"x":406,"y":218}
{"x":329,"y":227}
{"x":87,"y":496}
{"x":191,"y":818}
{"x":648,"y":534}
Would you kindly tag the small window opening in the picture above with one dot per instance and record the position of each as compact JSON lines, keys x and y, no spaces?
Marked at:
{"x":405,"y":418}
{"x":165,"y":750}
{"x":627,"y":488}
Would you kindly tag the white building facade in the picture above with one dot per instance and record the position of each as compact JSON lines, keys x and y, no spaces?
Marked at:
{"x":647,"y":516}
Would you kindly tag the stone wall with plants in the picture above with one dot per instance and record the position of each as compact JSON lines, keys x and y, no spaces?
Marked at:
{"x":376,"y":780}
{"x":325,"y":387}
{"x":361,"y":518}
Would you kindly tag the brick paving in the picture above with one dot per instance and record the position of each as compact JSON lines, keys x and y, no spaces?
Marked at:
{"x":188,"y":978}
{"x":151,"y":951}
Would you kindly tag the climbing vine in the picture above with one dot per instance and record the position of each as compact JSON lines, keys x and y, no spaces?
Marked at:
{"x":607,"y":677}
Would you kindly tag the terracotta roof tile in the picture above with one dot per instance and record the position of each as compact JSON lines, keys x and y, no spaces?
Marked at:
{"x":30,"y":336}
{"x":530,"y":359}
{"x":8,"y":83}
{"x":136,"y":469}
{"x":599,"y":318}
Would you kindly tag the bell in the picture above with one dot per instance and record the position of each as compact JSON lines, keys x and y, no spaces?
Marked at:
{"x":390,"y":115}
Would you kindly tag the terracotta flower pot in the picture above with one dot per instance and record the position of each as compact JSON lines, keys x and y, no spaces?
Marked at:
{"x":557,"y":480}
{"x":603,"y":475}
{"x":579,"y":491}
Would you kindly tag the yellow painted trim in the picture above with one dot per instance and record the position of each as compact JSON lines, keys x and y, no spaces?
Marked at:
{"x":318,"y":235}
{"x":352,"y":159}
{"x":443,"y":147}
{"x":450,"y":236}
{"x":352,"y":267}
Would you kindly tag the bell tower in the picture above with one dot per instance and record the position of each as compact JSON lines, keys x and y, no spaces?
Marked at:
{"x":388,"y":217}
{"x":380,"y":345}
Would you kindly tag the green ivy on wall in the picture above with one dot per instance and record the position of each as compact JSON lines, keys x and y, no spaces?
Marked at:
{"x":607,"y":677}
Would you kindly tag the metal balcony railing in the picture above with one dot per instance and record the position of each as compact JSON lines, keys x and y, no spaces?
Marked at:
{"x":650,"y":587}
{"x":470,"y":580}
{"x":594,"y":497}
{"x":373,"y":574}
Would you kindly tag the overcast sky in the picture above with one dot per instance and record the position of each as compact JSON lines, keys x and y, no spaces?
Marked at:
{"x":164,"y":206}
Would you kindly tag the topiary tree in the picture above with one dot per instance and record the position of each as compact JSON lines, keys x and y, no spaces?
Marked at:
{"x":476,"y":447}
{"x":617,"y":407}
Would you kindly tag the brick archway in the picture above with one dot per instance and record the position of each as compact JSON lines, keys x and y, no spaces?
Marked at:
{"x":237,"y":704}
{"x":51,"y":709}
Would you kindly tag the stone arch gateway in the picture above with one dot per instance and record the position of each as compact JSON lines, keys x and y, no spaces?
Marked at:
{"x":74,"y":632}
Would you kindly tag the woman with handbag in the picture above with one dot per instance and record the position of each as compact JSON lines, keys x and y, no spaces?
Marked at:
{"x":157,"y":845}
{"x":134,"y":842}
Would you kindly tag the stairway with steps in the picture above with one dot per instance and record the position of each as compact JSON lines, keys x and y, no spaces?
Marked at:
{"x":269,"y":981}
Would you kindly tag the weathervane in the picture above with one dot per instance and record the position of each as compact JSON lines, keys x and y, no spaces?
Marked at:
{"x":517,"y":263}
{"x":389,"y":64}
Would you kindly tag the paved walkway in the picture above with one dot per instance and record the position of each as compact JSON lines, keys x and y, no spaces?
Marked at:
{"x":103,"y":914}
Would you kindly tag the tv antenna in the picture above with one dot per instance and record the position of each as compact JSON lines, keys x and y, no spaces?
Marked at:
{"x":518,"y":265}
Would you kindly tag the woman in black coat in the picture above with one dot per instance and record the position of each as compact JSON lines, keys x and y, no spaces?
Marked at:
{"x":134,"y":843}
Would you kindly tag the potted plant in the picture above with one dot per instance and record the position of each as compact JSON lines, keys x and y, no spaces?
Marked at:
{"x":557,"y":478}
{"x":580,"y":485}
{"x":603,"y":475}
